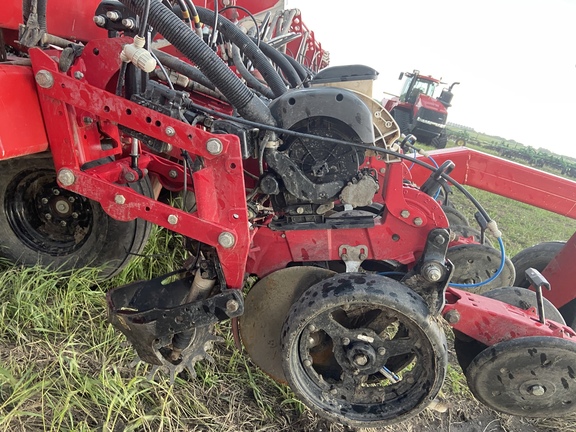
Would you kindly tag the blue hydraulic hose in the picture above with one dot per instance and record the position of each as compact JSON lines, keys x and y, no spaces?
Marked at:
{"x":491,"y":278}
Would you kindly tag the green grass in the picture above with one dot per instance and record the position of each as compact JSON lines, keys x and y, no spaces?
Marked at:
{"x":63,"y":368}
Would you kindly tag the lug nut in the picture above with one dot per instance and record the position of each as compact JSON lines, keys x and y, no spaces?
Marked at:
{"x":361,"y":360}
{"x":48,"y":216}
{"x":44,"y":200}
{"x":63,"y":223}
{"x":312,"y":328}
{"x":74,"y":215}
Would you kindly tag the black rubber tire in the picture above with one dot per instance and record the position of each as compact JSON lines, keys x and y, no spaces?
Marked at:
{"x":440,"y":141}
{"x":402,"y":118}
{"x":29,"y":238}
{"x":397,"y":304}
{"x":538,"y":257}
{"x":454,"y":216}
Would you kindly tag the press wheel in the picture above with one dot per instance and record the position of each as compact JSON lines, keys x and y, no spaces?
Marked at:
{"x":467,"y":348}
{"x":345,"y":346}
{"x":530,"y":376}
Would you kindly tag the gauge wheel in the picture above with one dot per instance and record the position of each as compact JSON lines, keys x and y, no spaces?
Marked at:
{"x":42,"y":223}
{"x":363,"y":350}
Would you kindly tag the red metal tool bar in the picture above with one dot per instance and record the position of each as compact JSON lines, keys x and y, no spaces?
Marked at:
{"x":506,"y":178}
{"x":491,"y":321}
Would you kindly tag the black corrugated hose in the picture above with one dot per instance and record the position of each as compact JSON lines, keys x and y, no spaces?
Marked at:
{"x":174,"y":30}
{"x":245,"y":73}
{"x":248,"y":48}
{"x":184,"y":68}
{"x":285,"y":66}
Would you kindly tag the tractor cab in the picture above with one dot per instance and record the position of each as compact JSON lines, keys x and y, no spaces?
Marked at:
{"x":416,"y":85}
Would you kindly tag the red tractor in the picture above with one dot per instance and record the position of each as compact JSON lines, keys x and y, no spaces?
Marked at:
{"x":298,"y":180}
{"x":418,"y":112}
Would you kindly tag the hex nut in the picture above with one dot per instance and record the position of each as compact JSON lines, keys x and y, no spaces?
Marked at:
{"x":119,"y":199}
{"x":226,"y":239}
{"x":44,"y":79}
{"x":172,"y":219}
{"x":170,"y":131}
{"x":232,"y":306}
{"x":405,"y":214}
{"x":452,"y":316}
{"x":214,"y":146}
{"x":418,"y":221}
{"x":66,"y":177}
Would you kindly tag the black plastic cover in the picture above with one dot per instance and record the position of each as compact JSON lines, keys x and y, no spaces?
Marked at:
{"x":345,"y":73}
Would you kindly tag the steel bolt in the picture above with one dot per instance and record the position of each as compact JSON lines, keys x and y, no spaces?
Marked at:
{"x":307,"y":362}
{"x":312,"y":328}
{"x":439,"y":240}
{"x":173,"y":174}
{"x":381,"y":351}
{"x":334,"y":391}
{"x":63,"y":223}
{"x":78,"y":75}
{"x":62,"y":206}
{"x":170,"y":131}
{"x":56,"y":191}
{"x":345,"y":341}
{"x":88,"y":120}
{"x":71,"y":199}
{"x":66,"y":177}
{"x":44,"y":79}
{"x":226,"y":239}
{"x":405,"y":214}
{"x":361,"y":360}
{"x":232,"y":306}
{"x":432,"y":272}
{"x":537,"y":390}
{"x":452,"y":316}
{"x":119,"y":199}
{"x":300,"y":210}
{"x":129,"y":176}
{"x":48,"y":216}
{"x":214,"y":146}
{"x":172,"y":219}
{"x":44,"y":200}
{"x":74,"y":215}
{"x":418,"y":221}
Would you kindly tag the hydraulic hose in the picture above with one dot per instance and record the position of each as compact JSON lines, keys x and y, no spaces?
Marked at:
{"x":285,"y":66}
{"x":248,"y":48}
{"x":42,"y":14}
{"x":184,"y":68}
{"x":174,"y":30}
{"x":245,"y":73}
{"x":302,"y":72}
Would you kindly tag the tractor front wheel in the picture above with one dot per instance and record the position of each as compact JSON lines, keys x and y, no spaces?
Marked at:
{"x":44,"y":224}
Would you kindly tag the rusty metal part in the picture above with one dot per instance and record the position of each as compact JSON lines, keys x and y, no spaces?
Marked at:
{"x":529,"y":377}
{"x":265,"y":309}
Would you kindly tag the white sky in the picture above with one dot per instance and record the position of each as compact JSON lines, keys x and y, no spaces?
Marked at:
{"x":515,"y":60}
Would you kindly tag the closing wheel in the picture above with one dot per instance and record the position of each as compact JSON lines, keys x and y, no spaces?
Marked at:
{"x":42,"y":223}
{"x":530,"y":376}
{"x":265,"y":308}
{"x":363,"y":350}
{"x":467,"y":348}
{"x":474,"y":263}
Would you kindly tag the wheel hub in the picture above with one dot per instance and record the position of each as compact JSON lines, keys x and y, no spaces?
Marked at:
{"x":361,"y":356}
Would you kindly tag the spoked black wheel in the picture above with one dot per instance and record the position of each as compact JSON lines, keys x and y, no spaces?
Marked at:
{"x":363,"y":350}
{"x":42,"y":223}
